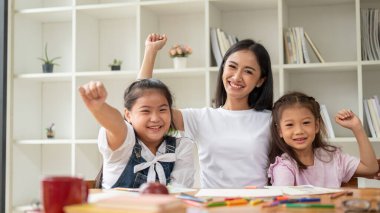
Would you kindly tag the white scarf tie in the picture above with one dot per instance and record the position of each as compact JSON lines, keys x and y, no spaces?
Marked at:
{"x":168,"y":157}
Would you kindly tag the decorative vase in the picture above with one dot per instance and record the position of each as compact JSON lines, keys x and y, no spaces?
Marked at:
{"x":115,"y":67}
{"x":50,"y":133}
{"x":47,"y":68}
{"x":179,"y":62}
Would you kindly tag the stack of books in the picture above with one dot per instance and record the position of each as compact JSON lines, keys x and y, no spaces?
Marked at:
{"x":372,"y":116}
{"x":369,"y":21}
{"x":220,"y":43}
{"x":295,"y":46}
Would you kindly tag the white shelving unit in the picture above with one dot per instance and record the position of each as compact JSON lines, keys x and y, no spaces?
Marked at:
{"x":89,"y":34}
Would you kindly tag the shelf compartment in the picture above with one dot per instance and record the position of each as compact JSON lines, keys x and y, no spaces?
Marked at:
{"x":46,"y":103}
{"x":331,"y":26}
{"x":233,"y":17}
{"x":100,"y":32}
{"x":35,"y":34}
{"x":183,"y":22}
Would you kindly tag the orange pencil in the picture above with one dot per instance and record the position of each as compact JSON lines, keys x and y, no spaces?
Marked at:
{"x":237,"y":202}
{"x":338,"y":194}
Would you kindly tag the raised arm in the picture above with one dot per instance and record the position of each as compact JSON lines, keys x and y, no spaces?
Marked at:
{"x":153,"y":43}
{"x":368,"y":163}
{"x":94,"y":96}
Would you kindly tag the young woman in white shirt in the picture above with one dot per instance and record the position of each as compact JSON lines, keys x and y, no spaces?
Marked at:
{"x":233,"y":138}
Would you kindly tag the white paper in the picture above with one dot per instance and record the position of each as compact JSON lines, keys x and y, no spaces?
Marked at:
{"x":238,"y":193}
{"x":176,"y":190}
{"x":303,"y":190}
{"x":368,"y":183}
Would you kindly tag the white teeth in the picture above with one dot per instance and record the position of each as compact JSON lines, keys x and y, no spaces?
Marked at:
{"x":235,"y":85}
{"x":154,"y":127}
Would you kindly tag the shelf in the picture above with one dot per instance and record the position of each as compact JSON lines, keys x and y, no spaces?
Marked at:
{"x":45,"y":141}
{"x":109,"y":10}
{"x":228,"y":5}
{"x":350,"y":140}
{"x":175,"y":7}
{"x":321,"y":67}
{"x":44,"y":77}
{"x":86,"y":141}
{"x":55,"y":14}
{"x":108,"y":74}
{"x":303,"y":3}
{"x":171,"y":73}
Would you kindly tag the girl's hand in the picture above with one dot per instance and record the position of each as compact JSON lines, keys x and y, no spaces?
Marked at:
{"x":348,"y":119}
{"x":94,"y":95}
{"x":155,"y":41}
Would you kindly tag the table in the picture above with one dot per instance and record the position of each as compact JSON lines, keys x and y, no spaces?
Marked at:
{"x":372,"y":195}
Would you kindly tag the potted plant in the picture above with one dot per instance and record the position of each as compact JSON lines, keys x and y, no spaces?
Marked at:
{"x":116,"y":64}
{"x":48,"y":64}
{"x":50,"y":131}
{"x":179,"y":54}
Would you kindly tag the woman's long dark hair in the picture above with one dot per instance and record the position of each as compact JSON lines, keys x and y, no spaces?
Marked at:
{"x":260,"y":98}
{"x":278,"y":145}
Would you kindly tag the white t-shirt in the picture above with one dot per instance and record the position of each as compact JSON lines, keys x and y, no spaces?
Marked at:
{"x":233,"y":146}
{"x":114,"y":162}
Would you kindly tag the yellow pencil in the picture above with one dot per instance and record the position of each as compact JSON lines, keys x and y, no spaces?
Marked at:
{"x":255,"y":202}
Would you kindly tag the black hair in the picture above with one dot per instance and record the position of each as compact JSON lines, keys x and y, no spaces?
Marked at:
{"x":261,"y":97}
{"x":278,"y":145}
{"x":137,"y":89}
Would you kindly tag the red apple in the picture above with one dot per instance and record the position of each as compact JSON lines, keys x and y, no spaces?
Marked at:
{"x":153,"y":188}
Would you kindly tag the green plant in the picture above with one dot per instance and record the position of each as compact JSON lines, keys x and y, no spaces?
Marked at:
{"x":116,"y":62}
{"x":46,"y":59}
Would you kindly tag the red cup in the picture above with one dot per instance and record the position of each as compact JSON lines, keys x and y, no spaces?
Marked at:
{"x":60,"y":191}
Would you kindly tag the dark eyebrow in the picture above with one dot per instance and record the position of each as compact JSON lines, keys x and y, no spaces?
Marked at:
{"x":233,"y":62}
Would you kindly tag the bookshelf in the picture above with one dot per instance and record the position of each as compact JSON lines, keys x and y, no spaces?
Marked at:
{"x":89,"y":34}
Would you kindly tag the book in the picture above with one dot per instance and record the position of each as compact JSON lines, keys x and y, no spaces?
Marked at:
{"x":374,"y":115}
{"x":314,"y":48}
{"x":327,"y":121}
{"x":306,"y":56}
{"x":215,"y":47}
{"x":368,"y":183}
{"x":132,"y":204}
{"x":368,"y":119}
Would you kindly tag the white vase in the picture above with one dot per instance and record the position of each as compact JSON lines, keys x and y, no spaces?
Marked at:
{"x":179,"y":62}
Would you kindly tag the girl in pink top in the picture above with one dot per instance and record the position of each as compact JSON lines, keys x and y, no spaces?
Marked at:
{"x":300,"y":154}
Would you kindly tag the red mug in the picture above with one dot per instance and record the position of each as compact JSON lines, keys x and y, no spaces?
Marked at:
{"x":60,"y":191}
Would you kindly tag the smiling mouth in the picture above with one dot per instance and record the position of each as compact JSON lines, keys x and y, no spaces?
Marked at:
{"x":235,"y":86}
{"x":300,"y":140}
{"x":154,"y":128}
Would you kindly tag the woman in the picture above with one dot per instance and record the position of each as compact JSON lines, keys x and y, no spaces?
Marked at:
{"x":232,"y":139}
